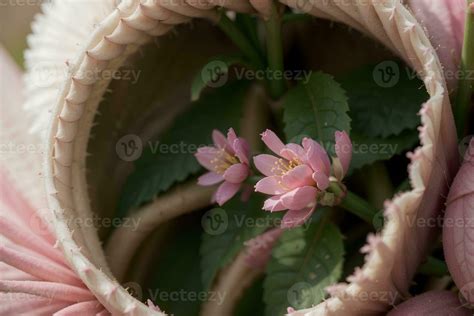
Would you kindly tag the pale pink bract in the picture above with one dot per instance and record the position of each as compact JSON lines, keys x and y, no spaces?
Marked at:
{"x":227,"y":162}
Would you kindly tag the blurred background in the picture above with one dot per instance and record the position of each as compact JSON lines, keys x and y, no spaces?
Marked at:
{"x":15,"y":25}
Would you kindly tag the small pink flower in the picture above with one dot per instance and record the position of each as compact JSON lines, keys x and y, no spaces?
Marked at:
{"x":297,"y":174}
{"x":227,"y":161}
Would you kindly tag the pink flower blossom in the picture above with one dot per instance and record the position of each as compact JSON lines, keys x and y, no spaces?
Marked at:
{"x":297,"y":174}
{"x":227,"y":162}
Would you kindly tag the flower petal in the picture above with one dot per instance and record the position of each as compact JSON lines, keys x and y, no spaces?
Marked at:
{"x":219,"y":139}
{"x":236,"y":173}
{"x":298,"y":177}
{"x":299,"y":198}
{"x":321,"y":179}
{"x":343,"y":150}
{"x":274,"y":204}
{"x":266,"y":164}
{"x":317,"y":156}
{"x":297,"y":152}
{"x":272,"y":141}
{"x":270,"y":185}
{"x":210,"y":178}
{"x":225,"y":192}
{"x":231,"y":136}
{"x":204,"y":156}
{"x":241,"y":149}
{"x":295,"y":218}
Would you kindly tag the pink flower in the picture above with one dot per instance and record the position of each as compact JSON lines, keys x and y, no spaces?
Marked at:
{"x":227,"y":161}
{"x":296,"y":176}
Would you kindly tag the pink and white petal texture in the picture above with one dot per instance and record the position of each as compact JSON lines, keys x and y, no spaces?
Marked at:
{"x":236,"y":173}
{"x":299,"y":198}
{"x":433,"y":303}
{"x":272,"y":141}
{"x":226,"y":191}
{"x":219,"y":139}
{"x":343,"y":150}
{"x":210,"y":178}
{"x":295,"y":218}
{"x":458,"y":228}
{"x":270,"y":185}
{"x":266,"y":164}
{"x":242,"y":150}
{"x":274,"y":204}
{"x":317,"y":158}
{"x":444,"y":23}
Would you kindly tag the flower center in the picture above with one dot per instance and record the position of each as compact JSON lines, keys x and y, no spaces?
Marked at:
{"x":283,"y":166}
{"x":223,"y":160}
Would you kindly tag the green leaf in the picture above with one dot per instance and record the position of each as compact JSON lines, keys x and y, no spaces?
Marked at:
{"x":214,"y":74}
{"x":239,"y":222}
{"x":381,"y":109}
{"x":367,"y":150}
{"x":303,"y":263}
{"x":316,"y":109}
{"x":157,"y":170}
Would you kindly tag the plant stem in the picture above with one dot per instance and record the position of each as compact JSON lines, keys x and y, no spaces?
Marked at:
{"x":359,"y":207}
{"x":240,"y":40}
{"x":353,"y":203}
{"x":466,"y":83}
{"x":276,"y":86}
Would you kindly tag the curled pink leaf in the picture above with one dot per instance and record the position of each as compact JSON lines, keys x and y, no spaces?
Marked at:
{"x":435,"y":303}
{"x":444,"y":22}
{"x":458,"y":228}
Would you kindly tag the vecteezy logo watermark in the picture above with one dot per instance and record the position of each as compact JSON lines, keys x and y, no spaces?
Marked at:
{"x":129,"y":148}
{"x":46,"y":74}
{"x":179,"y":295}
{"x":215,"y":221}
{"x":214,"y":74}
{"x":386,"y":74}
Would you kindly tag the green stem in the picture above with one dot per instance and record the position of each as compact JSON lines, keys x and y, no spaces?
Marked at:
{"x":359,"y":207}
{"x":434,"y":266}
{"x":276,"y":86}
{"x":355,"y":204}
{"x":240,"y":40}
{"x":466,"y":83}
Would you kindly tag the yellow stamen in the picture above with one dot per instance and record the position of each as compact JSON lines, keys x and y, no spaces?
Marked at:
{"x":223,"y":160}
